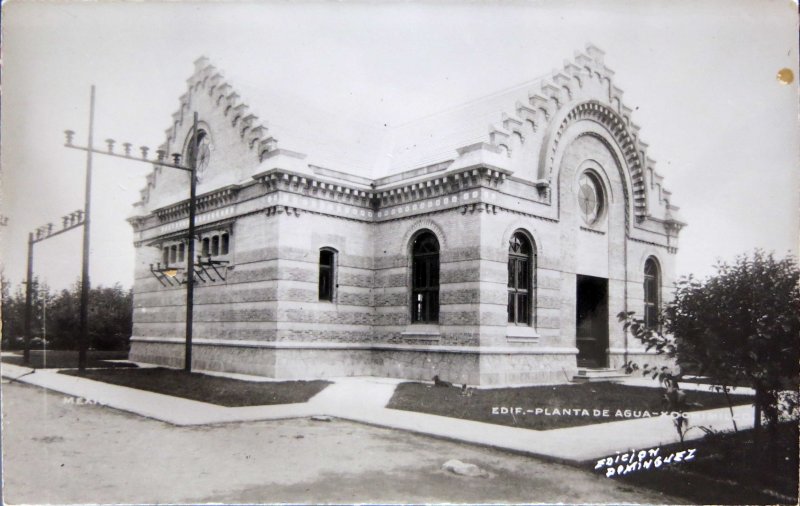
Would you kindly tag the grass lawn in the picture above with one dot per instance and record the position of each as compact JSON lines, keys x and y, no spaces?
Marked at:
{"x":730,"y":468}
{"x":207,"y":388}
{"x":703,"y":381}
{"x":449,"y":401}
{"x":788,"y":384}
{"x":67,"y":359}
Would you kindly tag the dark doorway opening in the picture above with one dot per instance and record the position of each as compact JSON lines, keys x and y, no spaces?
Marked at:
{"x":592,"y":322}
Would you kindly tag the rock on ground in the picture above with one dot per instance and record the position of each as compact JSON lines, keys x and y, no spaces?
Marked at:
{"x":464,"y":469}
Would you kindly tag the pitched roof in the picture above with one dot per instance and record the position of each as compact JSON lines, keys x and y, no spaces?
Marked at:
{"x":343,"y":147}
{"x":436,"y":137}
{"x":348,"y":144}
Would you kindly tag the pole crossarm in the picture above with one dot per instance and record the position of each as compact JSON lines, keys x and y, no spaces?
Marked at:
{"x":131,"y":158}
{"x":69,"y":221}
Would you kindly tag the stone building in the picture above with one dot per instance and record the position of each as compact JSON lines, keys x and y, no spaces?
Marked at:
{"x":493,"y":243}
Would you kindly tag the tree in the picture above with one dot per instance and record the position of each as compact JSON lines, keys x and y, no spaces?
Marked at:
{"x":13,"y":310}
{"x":110,"y":317}
{"x":63,"y":319}
{"x":739,"y":327}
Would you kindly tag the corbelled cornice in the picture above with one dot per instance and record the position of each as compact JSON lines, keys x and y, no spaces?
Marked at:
{"x":553,"y":104}
{"x":625,"y":140}
{"x":206,"y":202}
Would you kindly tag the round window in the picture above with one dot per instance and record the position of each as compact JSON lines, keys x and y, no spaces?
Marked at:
{"x":590,"y":198}
{"x":201,"y":149}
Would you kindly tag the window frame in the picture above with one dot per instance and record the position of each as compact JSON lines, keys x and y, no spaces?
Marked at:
{"x":425,"y":267}
{"x":174,"y":250}
{"x":599,"y":190}
{"x":653,"y":282}
{"x":193,"y":145}
{"x":215,"y":244}
{"x":525,"y":262}
{"x":329,"y":273}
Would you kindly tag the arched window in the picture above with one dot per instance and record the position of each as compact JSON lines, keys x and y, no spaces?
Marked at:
{"x":520,"y":279}
{"x":425,"y":279}
{"x":215,"y":244}
{"x":199,"y":151}
{"x":652,"y":288}
{"x":327,"y":267}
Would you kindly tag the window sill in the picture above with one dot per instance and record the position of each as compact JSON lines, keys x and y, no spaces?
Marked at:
{"x":593,"y":230}
{"x":421,"y":332}
{"x":223,"y":258}
{"x":521,"y":334}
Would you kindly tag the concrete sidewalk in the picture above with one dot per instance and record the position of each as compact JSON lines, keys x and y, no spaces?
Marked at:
{"x":363,"y":399}
{"x":685,"y":385}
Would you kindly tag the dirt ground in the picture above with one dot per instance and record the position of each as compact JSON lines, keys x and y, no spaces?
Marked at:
{"x":56,"y":452}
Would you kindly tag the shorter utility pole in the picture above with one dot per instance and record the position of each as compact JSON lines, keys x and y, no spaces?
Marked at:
{"x":68,"y":222}
{"x":43,"y":298}
{"x":26,"y":356}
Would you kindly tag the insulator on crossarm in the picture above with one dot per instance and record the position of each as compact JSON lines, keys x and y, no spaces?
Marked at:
{"x":70,"y":134}
{"x":110,"y":143}
{"x":127,"y":146}
{"x":144,"y":152}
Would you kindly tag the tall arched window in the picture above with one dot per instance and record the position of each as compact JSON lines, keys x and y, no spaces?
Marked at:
{"x":652,"y":288}
{"x":520,"y":279}
{"x":425,"y":279}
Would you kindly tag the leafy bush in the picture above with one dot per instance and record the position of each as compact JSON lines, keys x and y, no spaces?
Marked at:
{"x":739,"y":327}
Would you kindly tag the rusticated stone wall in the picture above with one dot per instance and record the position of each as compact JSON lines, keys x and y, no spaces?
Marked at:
{"x":263,"y":314}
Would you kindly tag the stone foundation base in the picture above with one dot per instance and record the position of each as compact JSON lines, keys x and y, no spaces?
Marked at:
{"x":302,"y":361}
{"x":243,"y":360}
{"x":528,"y":369}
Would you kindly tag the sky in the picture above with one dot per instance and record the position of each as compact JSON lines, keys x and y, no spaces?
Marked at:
{"x":701,"y":76}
